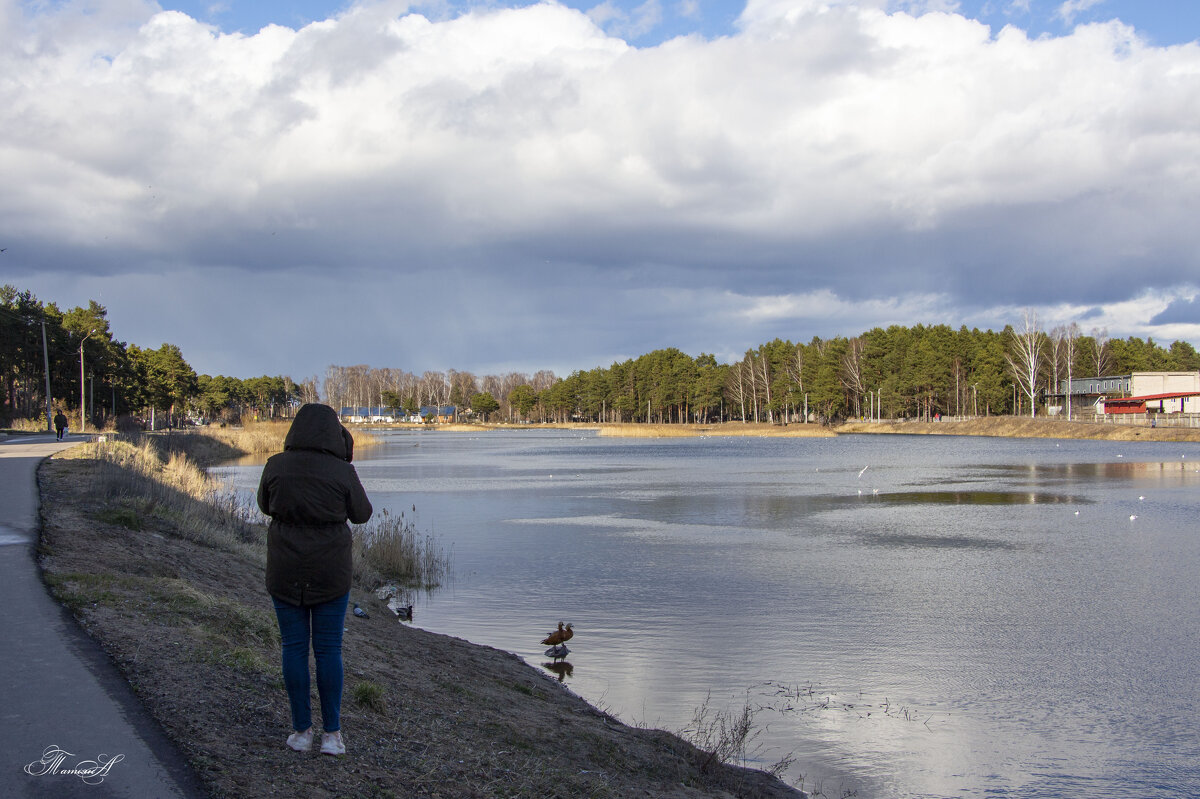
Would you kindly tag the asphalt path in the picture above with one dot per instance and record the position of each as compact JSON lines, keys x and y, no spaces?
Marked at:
{"x":70,"y":725}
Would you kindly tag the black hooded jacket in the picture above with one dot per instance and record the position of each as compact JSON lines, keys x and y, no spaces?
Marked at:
{"x":310,"y":490}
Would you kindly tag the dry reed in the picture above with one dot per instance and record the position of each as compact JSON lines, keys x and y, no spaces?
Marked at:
{"x":142,"y":479}
{"x":158,"y":476}
{"x":389,"y":548}
{"x":725,"y":429}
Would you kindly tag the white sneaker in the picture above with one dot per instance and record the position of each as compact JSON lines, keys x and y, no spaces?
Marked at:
{"x":301,"y":741}
{"x":332,"y":743}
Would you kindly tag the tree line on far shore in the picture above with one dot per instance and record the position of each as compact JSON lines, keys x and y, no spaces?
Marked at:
{"x":88,"y":369}
{"x":898,"y":372}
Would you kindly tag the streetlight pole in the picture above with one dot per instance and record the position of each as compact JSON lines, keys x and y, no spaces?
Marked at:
{"x":83,"y":385}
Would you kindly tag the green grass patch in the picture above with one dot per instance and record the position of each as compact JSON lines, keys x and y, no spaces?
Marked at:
{"x":78,"y":590}
{"x":121,"y":516}
{"x":244,"y":659}
{"x":519,"y":687}
{"x":369,"y":695}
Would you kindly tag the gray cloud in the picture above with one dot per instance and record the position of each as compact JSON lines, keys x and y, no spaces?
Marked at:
{"x":1180,"y":312}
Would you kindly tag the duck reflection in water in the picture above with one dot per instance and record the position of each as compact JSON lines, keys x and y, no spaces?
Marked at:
{"x":562,"y":668}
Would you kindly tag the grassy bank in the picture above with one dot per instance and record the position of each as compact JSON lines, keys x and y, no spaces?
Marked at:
{"x":137,"y":542}
{"x":1024,"y":427}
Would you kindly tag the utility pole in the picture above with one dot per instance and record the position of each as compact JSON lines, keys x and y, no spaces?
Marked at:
{"x":83,"y":385}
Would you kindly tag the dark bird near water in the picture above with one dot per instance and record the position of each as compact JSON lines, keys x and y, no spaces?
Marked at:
{"x":405,"y":613}
{"x":359,"y":611}
{"x":559,"y":636}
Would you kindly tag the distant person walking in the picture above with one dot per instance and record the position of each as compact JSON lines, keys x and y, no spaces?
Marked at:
{"x":60,"y":425}
{"x":310,"y":490}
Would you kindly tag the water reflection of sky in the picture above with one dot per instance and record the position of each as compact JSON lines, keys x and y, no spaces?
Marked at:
{"x":1041,"y":641}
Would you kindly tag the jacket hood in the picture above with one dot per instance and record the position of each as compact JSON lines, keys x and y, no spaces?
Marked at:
{"x":316,"y":427}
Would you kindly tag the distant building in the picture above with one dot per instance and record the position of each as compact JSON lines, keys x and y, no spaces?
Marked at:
{"x":1140,"y":392}
{"x":440,"y":414}
{"x":1164,"y":382}
{"x":1169,"y":402}
{"x":365,"y":415}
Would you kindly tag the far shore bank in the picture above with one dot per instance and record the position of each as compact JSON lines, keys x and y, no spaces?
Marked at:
{"x":1000,"y":426}
{"x":267,"y":437}
{"x":627,"y":429}
{"x":1025,"y":427}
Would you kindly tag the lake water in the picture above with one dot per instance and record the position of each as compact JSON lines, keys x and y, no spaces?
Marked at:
{"x":967,"y":616}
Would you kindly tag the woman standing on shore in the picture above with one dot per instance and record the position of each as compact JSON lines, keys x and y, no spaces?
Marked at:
{"x":310,"y":490}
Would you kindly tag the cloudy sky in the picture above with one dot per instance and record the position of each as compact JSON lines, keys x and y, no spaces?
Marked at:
{"x":277,"y":187}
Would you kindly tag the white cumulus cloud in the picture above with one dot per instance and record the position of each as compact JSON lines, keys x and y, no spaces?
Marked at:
{"x":861,"y":151}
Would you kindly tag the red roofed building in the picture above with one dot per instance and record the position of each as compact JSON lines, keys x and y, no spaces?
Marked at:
{"x":1172,"y":402}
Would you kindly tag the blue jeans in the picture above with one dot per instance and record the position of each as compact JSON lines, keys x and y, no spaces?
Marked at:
{"x":323,"y":624}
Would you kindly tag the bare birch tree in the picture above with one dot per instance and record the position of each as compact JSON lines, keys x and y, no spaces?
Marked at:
{"x":750,"y":375}
{"x":1025,"y":357}
{"x":1100,"y":350}
{"x":736,"y":386}
{"x":852,"y":376}
{"x":1070,"y":340}
{"x":795,"y":373}
{"x":1055,"y":344}
{"x":308,"y":390}
{"x":766,"y":377}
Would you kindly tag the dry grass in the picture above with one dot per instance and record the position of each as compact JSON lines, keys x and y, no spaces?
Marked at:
{"x":254,"y":438}
{"x":727,"y":737}
{"x":726,"y":429}
{"x":266,"y":438}
{"x":1024,"y":427}
{"x":389,"y":548}
{"x":28,"y":425}
{"x":140,"y":480}
{"x":160,"y":476}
